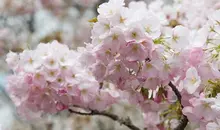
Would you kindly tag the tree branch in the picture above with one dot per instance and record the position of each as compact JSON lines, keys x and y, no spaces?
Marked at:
{"x":176,"y":91}
{"x":127,"y":122}
{"x":184,"y":120}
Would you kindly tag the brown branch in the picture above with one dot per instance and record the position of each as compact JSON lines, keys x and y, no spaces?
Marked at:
{"x":127,"y":122}
{"x":176,"y":91}
{"x":184,"y":120}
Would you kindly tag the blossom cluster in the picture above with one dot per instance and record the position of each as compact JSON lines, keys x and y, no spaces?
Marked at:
{"x":191,"y":13}
{"x":52,"y":78}
{"x":135,"y":56}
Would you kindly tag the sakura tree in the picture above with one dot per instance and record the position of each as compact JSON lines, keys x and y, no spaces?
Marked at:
{"x":162,"y":59}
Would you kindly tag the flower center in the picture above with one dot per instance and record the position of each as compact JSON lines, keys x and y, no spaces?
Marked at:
{"x":193,"y":80}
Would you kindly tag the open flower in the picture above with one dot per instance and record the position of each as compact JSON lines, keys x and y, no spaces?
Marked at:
{"x":192,"y":80}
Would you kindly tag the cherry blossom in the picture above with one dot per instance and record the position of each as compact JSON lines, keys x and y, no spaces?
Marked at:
{"x":151,"y":57}
{"x":192,"y":80}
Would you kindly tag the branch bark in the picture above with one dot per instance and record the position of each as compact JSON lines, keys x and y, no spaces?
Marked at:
{"x":127,"y":122}
{"x":184,"y":120}
{"x":176,"y":91}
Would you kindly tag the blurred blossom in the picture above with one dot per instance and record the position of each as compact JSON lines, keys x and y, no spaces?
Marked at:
{"x":86,"y":3}
{"x":72,"y":29}
{"x":25,"y":23}
{"x":17,"y":7}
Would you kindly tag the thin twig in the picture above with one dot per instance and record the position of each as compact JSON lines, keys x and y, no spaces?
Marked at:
{"x":176,"y":91}
{"x":184,"y":120}
{"x":127,"y":122}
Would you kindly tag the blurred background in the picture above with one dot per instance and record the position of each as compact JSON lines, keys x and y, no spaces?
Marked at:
{"x":26,"y":23}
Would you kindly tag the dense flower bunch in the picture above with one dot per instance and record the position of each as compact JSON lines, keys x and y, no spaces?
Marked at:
{"x":52,"y":78}
{"x":191,"y":13}
{"x":133,"y":56}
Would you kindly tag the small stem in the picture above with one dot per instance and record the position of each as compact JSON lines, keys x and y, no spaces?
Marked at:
{"x":127,"y":122}
{"x":176,"y":91}
{"x":184,"y":120}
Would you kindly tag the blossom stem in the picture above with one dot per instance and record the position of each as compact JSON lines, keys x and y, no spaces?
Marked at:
{"x":175,"y":90}
{"x":184,"y":120}
{"x":127,"y":122}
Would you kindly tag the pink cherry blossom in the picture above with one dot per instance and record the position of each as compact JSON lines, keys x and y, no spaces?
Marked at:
{"x":192,"y":80}
{"x":163,"y":59}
